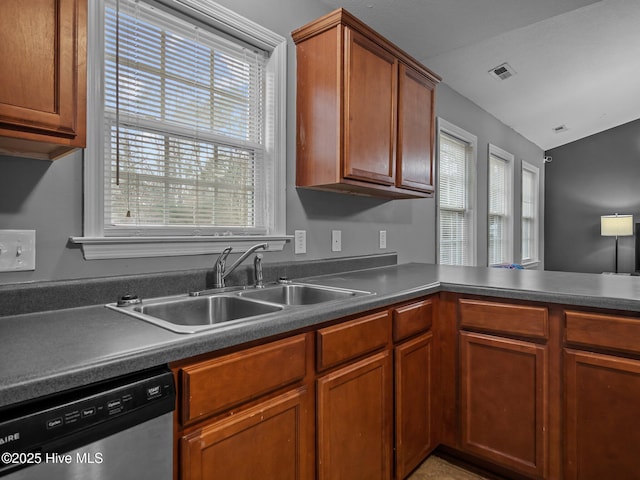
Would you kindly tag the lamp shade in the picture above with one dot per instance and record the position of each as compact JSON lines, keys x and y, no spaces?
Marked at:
{"x":616,"y":225}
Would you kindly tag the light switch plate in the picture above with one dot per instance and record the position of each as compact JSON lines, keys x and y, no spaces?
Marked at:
{"x":17,"y":250}
{"x":300,"y":245}
{"x":336,"y":240}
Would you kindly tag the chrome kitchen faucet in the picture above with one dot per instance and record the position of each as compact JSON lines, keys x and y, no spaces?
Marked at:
{"x":220,"y":271}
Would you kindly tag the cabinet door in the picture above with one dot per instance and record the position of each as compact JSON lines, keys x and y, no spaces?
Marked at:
{"x":504,"y":401}
{"x":602,"y":411}
{"x":369,"y":111}
{"x":415,"y":130}
{"x":354,"y":421}
{"x":271,"y":440}
{"x":40,"y":65}
{"x":414,"y":403}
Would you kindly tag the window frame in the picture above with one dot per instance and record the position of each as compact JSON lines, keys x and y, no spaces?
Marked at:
{"x":508,"y":247}
{"x":448,"y":128}
{"x":534,"y":260}
{"x":97,"y":245}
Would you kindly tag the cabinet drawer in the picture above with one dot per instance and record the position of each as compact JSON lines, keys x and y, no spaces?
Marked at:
{"x":411,"y":319}
{"x":520,"y":320}
{"x":215,"y":385}
{"x":605,"y":331}
{"x":346,"y":341}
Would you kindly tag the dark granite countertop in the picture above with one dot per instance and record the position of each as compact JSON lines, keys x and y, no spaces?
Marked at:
{"x":46,"y":352}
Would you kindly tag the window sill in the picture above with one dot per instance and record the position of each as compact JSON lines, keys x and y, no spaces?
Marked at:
{"x":100,"y":248}
{"x":531,"y":264}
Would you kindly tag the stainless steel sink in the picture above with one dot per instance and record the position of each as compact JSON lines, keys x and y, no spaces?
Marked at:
{"x":194,"y":314}
{"x":210,"y":309}
{"x":301,"y":294}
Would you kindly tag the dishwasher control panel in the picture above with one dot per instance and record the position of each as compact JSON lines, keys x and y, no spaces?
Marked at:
{"x":92,"y":412}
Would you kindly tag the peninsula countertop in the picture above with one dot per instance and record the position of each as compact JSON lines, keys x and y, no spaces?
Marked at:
{"x":47,"y":352}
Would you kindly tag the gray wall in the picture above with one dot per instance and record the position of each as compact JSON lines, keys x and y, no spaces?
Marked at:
{"x":465,"y":114}
{"x":47,"y":196}
{"x":598,"y":175}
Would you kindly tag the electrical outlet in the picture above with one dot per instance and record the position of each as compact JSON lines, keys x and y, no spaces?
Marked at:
{"x":383,"y":239}
{"x":300,"y":240}
{"x":336,"y":240}
{"x":17,"y":250}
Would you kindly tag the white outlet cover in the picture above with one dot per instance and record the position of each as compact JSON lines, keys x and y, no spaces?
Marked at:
{"x":300,"y":241}
{"x":17,"y":250}
{"x":336,"y":240}
{"x":383,"y":239}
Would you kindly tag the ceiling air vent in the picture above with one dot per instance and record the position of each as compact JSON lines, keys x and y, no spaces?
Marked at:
{"x":560,"y":129}
{"x":502,"y":72}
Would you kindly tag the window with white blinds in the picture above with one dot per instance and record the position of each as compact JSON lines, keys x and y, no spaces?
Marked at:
{"x":530,"y":185}
{"x":456,"y":237}
{"x":186,"y":130}
{"x":499,"y":206}
{"x":184,"y":120}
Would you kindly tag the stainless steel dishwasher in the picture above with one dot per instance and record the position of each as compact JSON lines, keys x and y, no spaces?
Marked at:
{"x":120,"y":429}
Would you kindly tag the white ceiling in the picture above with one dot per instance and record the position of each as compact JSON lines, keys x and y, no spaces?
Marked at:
{"x":577,"y":62}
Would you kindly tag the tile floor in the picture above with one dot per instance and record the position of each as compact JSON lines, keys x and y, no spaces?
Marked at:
{"x":435,"y":468}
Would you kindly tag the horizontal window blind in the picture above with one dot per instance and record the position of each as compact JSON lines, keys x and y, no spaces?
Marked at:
{"x":499,"y":198}
{"x":498,"y":186}
{"x":529,"y":213}
{"x":453,"y":199}
{"x":184,"y":118}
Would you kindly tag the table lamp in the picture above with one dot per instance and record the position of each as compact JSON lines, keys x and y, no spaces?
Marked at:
{"x":616,"y":226}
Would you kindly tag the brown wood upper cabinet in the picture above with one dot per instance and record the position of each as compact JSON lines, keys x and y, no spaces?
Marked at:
{"x":365,"y":112}
{"x":43,"y":81}
{"x":416,"y":103}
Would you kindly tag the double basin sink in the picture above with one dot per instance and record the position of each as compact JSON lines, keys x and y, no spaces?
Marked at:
{"x":191,"y":314}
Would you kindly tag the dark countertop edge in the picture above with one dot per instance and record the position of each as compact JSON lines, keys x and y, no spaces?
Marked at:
{"x":607,"y":303}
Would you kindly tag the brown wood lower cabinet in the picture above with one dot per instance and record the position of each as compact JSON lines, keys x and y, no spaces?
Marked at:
{"x":503,"y":389}
{"x":248,"y":414}
{"x":414,"y":408}
{"x":602,"y":408}
{"x":316,"y":405}
{"x":371,"y":396}
{"x":601,"y":395}
{"x":271,"y":440}
{"x":355,"y":420}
